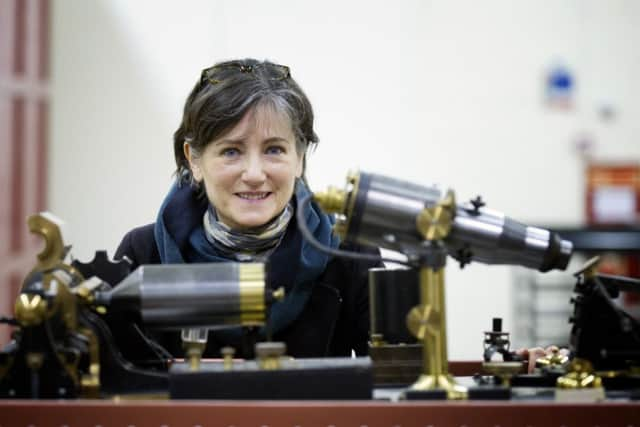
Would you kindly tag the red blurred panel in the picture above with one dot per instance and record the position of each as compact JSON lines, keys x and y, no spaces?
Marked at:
{"x":17,"y":178}
{"x":42,"y":120}
{"x":43,"y":39}
{"x":20,"y":38}
{"x":612,"y":176}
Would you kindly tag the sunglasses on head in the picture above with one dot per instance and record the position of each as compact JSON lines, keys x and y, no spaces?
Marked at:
{"x":216,"y":74}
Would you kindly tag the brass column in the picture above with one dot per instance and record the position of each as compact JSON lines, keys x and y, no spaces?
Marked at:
{"x":427,"y":321}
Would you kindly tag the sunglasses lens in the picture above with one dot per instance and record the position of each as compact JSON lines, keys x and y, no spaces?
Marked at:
{"x":216,"y":74}
{"x":283,"y":72}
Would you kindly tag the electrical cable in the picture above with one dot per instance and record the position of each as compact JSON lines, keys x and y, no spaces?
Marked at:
{"x":161,"y":353}
{"x":306,"y":233}
{"x":9,"y":321}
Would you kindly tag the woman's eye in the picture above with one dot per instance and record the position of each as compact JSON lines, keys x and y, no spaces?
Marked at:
{"x":275,"y":149}
{"x":230,"y":152}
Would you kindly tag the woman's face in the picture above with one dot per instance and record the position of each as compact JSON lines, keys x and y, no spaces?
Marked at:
{"x":249,"y":172}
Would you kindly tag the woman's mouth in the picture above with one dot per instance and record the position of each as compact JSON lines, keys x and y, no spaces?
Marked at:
{"x":254,"y":195}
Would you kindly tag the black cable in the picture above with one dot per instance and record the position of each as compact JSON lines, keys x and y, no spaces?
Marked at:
{"x":302,"y":225}
{"x":161,"y":353}
{"x":9,"y":321}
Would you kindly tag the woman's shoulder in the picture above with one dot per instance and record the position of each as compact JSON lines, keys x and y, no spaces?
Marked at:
{"x":139,"y":245}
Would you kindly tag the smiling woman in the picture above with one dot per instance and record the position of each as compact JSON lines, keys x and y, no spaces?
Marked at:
{"x":249,"y":173}
{"x":240,"y":153}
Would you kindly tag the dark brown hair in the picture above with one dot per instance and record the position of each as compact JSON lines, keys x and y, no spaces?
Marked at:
{"x":226,"y":92}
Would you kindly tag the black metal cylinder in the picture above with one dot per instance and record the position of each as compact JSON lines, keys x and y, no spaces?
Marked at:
{"x":392,"y":294}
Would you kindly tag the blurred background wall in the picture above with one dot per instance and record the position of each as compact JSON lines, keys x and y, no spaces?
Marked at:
{"x":448,"y":92}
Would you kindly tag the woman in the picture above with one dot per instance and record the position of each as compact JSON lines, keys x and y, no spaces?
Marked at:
{"x":240,"y":153}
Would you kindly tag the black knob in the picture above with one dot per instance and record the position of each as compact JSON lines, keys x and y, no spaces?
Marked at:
{"x":497,"y":324}
{"x":477,"y":204}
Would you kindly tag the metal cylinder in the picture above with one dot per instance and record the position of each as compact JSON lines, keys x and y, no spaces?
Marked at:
{"x":192,"y":295}
{"x":392,"y":294}
{"x":383,"y":211}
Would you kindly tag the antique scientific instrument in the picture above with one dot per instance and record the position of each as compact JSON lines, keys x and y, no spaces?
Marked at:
{"x":82,"y":332}
{"x":426,"y":224}
{"x":79,"y":337}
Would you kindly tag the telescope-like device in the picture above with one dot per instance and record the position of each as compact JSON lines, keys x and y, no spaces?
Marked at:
{"x":209,"y":295}
{"x":426,"y":224}
{"x":398,"y":215}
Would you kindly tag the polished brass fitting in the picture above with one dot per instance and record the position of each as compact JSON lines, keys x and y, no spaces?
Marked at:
{"x":48,"y":226}
{"x":252,"y":294}
{"x":503,"y":370}
{"x":580,"y":376}
{"x":269,"y":354}
{"x":278,"y":294}
{"x":30,"y":310}
{"x":331,"y":201}
{"x":193,"y":353}
{"x":377,"y":340}
{"x":554,"y":359}
{"x":227,"y":357}
{"x":434,"y":223}
{"x":423,"y":320}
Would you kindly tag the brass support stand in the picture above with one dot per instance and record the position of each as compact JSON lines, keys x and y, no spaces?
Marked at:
{"x":427,"y":322}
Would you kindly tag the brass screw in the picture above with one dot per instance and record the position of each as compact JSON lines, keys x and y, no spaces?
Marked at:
{"x":227,"y":355}
{"x":278,"y":294}
{"x":269,"y":354}
{"x":194,"y":354}
{"x":34,"y":360}
{"x":377,"y":340}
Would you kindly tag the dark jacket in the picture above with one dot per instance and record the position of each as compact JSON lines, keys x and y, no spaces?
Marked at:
{"x":334,"y":321}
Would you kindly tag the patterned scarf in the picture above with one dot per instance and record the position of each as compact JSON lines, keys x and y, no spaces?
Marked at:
{"x":249,"y":245}
{"x":294,"y":263}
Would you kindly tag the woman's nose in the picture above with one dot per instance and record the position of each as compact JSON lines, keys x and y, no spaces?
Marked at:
{"x":254,"y":170}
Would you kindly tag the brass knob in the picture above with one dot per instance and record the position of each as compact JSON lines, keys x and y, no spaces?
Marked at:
{"x":227,"y":356}
{"x":30,"y":310}
{"x":269,"y":354}
{"x":434,"y":223}
{"x":331,"y":201}
{"x":422,"y":320}
{"x":278,"y":294}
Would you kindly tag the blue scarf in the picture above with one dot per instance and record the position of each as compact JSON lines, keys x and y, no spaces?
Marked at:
{"x":295,"y":264}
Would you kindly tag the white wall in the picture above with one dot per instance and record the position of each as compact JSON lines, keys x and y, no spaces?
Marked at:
{"x":430,"y":91}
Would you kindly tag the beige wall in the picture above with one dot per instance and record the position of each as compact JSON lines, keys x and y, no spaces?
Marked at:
{"x":430,"y":91}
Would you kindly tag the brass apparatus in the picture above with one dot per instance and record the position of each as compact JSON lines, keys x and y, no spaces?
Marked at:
{"x":425,"y":223}
{"x":339,"y":201}
{"x":554,"y":360}
{"x":504,"y":370}
{"x":269,"y":354}
{"x":427,"y":321}
{"x":580,"y":376}
{"x":580,"y":373}
{"x":66,"y":290}
{"x":70,"y":329}
{"x":252,"y":304}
